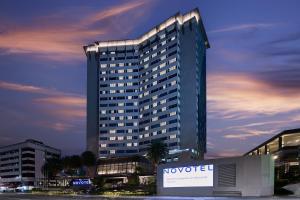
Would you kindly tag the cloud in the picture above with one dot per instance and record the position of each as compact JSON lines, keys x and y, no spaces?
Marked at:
{"x":242,"y":27}
{"x":248,"y":133}
{"x":63,"y":40}
{"x":58,"y":104}
{"x":24,"y":88}
{"x":238,"y":94}
{"x":286,"y":39}
{"x":63,"y":101}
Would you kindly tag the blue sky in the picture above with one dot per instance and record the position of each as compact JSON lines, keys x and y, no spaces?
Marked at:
{"x":253,"y":66}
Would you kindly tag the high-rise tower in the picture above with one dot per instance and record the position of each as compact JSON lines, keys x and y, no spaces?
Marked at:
{"x":149,"y":88}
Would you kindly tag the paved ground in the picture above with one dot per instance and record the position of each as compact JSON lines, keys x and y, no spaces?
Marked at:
{"x":14,"y":196}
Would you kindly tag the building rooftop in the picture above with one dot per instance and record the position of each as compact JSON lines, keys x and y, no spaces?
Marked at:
{"x":283,"y":133}
{"x":30,"y":141}
{"x":178,"y":17}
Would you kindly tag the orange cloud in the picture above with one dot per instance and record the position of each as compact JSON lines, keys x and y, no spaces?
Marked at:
{"x":63,"y":101}
{"x":240,"y":95}
{"x":63,"y":41}
{"x":23,"y":88}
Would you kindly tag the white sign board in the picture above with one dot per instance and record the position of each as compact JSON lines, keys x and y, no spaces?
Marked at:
{"x":189,"y":176}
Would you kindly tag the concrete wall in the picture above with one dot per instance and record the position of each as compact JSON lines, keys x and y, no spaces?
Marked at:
{"x":237,"y":176}
{"x":92,"y":103}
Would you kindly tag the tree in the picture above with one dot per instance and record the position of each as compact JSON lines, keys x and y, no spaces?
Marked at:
{"x":88,"y":159}
{"x":157,"y":151}
{"x":72,"y":164}
{"x":52,"y":167}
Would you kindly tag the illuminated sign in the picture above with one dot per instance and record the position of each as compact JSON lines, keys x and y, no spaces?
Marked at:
{"x":189,"y":176}
{"x":81,"y":182}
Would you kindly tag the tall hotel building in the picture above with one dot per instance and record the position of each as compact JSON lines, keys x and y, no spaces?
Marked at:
{"x":149,"y":88}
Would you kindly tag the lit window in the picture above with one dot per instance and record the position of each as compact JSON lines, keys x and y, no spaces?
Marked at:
{"x":173,"y":82}
{"x":172,"y":136}
{"x":164,"y":109}
{"x":146,"y":135}
{"x":146,"y":128}
{"x":129,"y":144}
{"x":154,"y":104}
{"x":173,"y":38}
{"x":162,"y":36}
{"x":172,"y":113}
{"x":154,"y":83}
{"x":163,"y":57}
{"x":154,"y":69}
{"x":163,"y":51}
{"x":135,"y":103}
{"x":154,"y":111}
{"x":112,"y":151}
{"x":135,"y":144}
{"x":120,"y":124}
{"x":112,"y":65}
{"x":129,"y":117}
{"x":112,"y":52}
{"x":146,"y":59}
{"x":164,"y":130}
{"x":129,"y":70}
{"x":154,"y":97}
{"x":162,"y":72}
{"x":163,"y":101}
{"x":121,"y":64}
{"x":112,"y":138}
{"x":172,"y":68}
{"x":112,"y":118}
{"x":102,"y":145}
{"x":155,"y":47}
{"x":154,"y":119}
{"x":172,"y":60}
{"x":130,"y":131}
{"x":162,"y":65}
{"x":129,"y":137}
{"x":120,"y":111}
{"x":121,"y":71}
{"x":103,"y":111}
{"x":163,"y":123}
{"x":103,"y":65}
{"x":135,"y":124}
{"x":163,"y":42}
{"x":120,"y":137}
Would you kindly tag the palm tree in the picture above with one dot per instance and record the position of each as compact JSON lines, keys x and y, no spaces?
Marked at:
{"x":88,"y":159}
{"x":157,"y":151}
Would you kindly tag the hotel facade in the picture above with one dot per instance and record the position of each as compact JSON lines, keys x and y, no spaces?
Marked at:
{"x":149,"y":88}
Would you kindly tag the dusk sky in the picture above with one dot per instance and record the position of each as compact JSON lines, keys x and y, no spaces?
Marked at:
{"x":253,"y":66}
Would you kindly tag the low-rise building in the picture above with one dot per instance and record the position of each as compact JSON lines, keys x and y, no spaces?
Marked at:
{"x":285,"y":148}
{"x":21,"y":164}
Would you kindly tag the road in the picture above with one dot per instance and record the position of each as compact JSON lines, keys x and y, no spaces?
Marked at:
{"x":16,"y":196}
